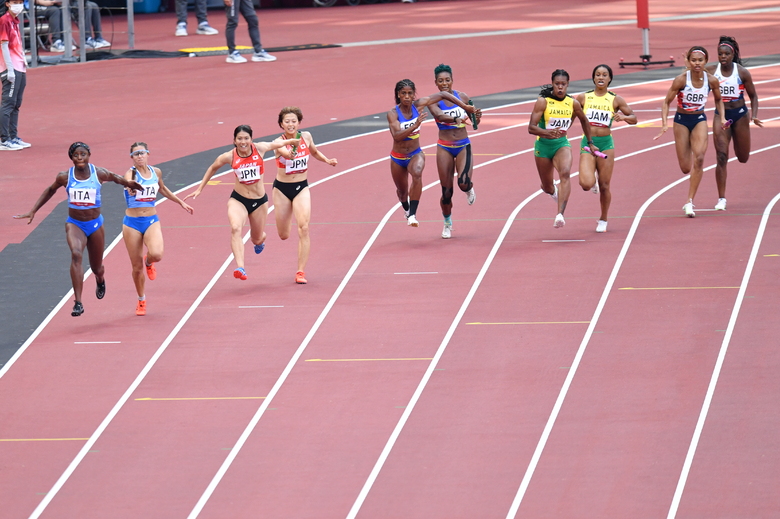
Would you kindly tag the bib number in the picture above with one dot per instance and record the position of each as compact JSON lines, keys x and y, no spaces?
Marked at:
{"x":148,"y":194}
{"x":560,"y":124}
{"x":248,"y":174}
{"x":82,"y":197}
{"x":297,"y":165}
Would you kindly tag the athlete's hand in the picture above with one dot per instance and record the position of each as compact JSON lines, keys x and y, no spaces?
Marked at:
{"x":661,"y":133}
{"x":557,"y":133}
{"x":618,"y":117}
{"x":135,"y":186}
{"x":194,"y":194}
{"x":758,"y":122}
{"x":187,"y":207}
{"x":420,"y":118}
{"x":471,"y":109}
{"x":331,"y":162}
{"x":30,"y":216}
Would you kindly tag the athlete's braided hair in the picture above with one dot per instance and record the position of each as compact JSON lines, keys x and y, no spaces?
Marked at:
{"x":401,"y":84}
{"x":547,"y":90}
{"x":242,"y":128}
{"x":76,"y":145}
{"x":609,"y":70}
{"x":731,"y":42}
{"x":442,"y":68}
{"x":698,"y":48}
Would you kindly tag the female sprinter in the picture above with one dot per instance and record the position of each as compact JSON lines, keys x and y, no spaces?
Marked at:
{"x":453,"y":152}
{"x":84,"y":226}
{"x":734,"y":80}
{"x":601,"y":107}
{"x":291,"y":187}
{"x":550,"y":120}
{"x":690,"y":124}
{"x":406,"y":157}
{"x":141,"y":224}
{"x":248,"y":199}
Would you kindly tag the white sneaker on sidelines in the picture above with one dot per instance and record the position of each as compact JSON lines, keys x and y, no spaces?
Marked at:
{"x":688,"y":208}
{"x":205,"y":28}
{"x":601,"y":226}
{"x":100,"y":43}
{"x":471,"y":196}
{"x":721,"y":205}
{"x":263,"y":56}
{"x":20,"y":142}
{"x":181,"y":29}
{"x":559,"y":221}
{"x":9,"y":146}
{"x":411,"y":220}
{"x":57,"y":46}
{"x":235,"y":57}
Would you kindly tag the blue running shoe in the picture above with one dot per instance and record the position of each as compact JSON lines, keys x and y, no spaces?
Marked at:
{"x":259,"y":248}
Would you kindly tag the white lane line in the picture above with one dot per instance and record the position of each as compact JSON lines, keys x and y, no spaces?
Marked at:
{"x":412,"y":273}
{"x":97,"y":342}
{"x":432,"y":366}
{"x":288,"y":369}
{"x":559,"y":241}
{"x":586,"y":339}
{"x":263,"y":306}
{"x":556,"y":28}
{"x":721,"y":355}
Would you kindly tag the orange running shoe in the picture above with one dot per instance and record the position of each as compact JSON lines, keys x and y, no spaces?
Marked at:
{"x":151,"y":272}
{"x":140,"y":308}
{"x":240,"y":273}
{"x":300,"y":277}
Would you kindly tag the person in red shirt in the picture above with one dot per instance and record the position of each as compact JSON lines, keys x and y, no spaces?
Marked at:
{"x":13,"y":74}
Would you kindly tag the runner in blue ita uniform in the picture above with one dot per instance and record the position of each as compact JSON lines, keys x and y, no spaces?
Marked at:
{"x":84,"y":226}
{"x":141,"y":224}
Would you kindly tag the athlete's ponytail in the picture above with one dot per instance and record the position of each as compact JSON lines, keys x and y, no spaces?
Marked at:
{"x":547,"y":90}
{"x":442,"y":68}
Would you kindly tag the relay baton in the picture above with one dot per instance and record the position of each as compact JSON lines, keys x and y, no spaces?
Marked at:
{"x":473,"y":117}
{"x":596,"y":153}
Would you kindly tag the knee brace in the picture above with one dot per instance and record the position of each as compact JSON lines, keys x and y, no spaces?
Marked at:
{"x":464,"y":179}
{"x":446,"y":195}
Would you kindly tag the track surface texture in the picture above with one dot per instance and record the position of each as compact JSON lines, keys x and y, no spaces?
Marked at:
{"x":515,"y":370}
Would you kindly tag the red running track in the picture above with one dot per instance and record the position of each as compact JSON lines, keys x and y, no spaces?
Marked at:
{"x":650,"y":329}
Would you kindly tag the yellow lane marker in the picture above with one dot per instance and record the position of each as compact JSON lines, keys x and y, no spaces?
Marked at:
{"x":672,"y":288}
{"x":364,"y":360}
{"x":213,"y":49}
{"x":205,"y":398}
{"x":771,"y":255}
{"x":42,"y":439}
{"x":541,"y":322}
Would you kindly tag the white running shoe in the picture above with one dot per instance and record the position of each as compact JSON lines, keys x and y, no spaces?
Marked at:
{"x":181,"y":29}
{"x":20,"y":142}
{"x":559,"y":221}
{"x":688,"y":208}
{"x":263,"y":56}
{"x":601,"y":226}
{"x":411,"y":220}
{"x":205,"y":28}
{"x":235,"y":57}
{"x":9,"y":145}
{"x":471,"y":196}
{"x":446,"y":233}
{"x":721,"y":205}
{"x":554,"y":194}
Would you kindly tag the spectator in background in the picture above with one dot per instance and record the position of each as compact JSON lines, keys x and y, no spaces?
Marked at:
{"x":200,"y":14}
{"x":13,"y":74}
{"x":92,"y":23}
{"x":247,"y":9}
